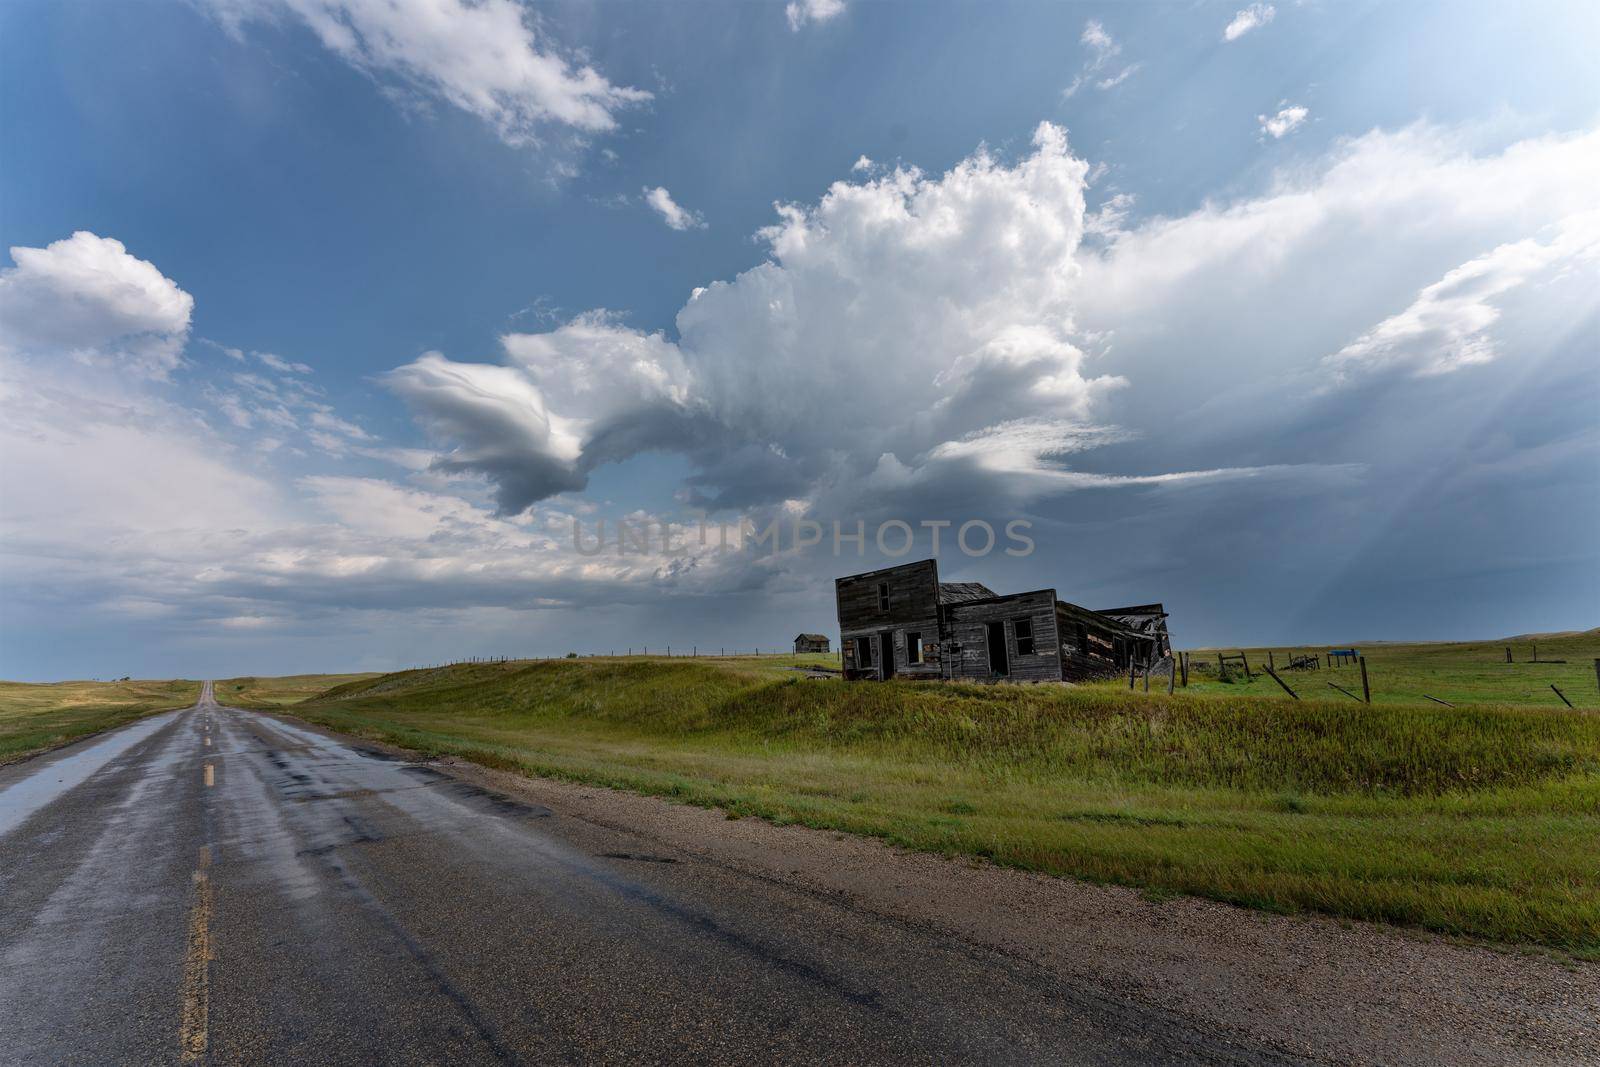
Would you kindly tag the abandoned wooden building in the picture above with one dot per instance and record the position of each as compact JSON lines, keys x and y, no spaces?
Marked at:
{"x":904,"y":621}
{"x":811,"y":643}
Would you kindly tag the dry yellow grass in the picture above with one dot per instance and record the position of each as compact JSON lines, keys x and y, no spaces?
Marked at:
{"x":254,"y":692}
{"x":36,"y":717}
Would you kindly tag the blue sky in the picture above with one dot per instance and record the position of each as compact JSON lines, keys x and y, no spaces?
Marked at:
{"x":1283,"y":314}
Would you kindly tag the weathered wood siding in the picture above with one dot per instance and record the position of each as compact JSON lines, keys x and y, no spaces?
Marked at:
{"x":1089,"y":647}
{"x":967,"y":646}
{"x":913,"y":590}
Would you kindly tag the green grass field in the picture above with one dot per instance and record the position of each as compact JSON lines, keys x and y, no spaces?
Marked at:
{"x":34,"y":718}
{"x":268,"y":693}
{"x":1480,"y":820}
{"x":1465,"y":673}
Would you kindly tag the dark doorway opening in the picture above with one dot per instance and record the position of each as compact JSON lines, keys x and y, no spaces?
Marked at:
{"x":886,"y":655}
{"x":999,"y":662}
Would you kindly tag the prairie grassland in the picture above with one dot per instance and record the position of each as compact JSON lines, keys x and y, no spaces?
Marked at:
{"x":253,"y":692}
{"x":1479,"y":821}
{"x":35,"y":717}
{"x":1457,"y":672}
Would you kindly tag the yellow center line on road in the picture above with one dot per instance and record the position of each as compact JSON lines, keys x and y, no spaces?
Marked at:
{"x":193,"y":1033}
{"x":211,"y":775}
{"x":208,"y":742}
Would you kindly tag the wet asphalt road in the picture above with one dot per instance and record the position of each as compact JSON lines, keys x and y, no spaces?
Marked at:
{"x":222,"y":886}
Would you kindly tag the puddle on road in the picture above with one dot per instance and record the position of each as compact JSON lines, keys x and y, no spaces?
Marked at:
{"x":49,"y":781}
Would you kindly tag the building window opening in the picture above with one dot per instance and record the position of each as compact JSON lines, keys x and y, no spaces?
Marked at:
{"x":913,"y":648}
{"x":1022,"y":629}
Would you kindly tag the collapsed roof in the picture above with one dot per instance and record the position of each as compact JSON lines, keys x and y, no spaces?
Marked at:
{"x":961,"y":592}
{"x":1140,"y":618}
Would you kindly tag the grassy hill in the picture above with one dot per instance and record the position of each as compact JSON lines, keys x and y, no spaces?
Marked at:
{"x":36,"y":717}
{"x":268,"y":693}
{"x":1477,"y":820}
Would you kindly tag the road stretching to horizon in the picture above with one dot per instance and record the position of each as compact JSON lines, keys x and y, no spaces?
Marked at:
{"x":215,"y":885}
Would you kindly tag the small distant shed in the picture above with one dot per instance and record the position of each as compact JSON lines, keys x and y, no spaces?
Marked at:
{"x":811,"y":643}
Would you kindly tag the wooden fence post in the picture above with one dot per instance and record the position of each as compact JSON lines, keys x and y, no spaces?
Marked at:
{"x":1270,"y":664}
{"x":1131,"y":668}
{"x":1508,"y":653}
{"x":1366,"y":690}
{"x":1222,"y":668}
{"x":1597,"y":673}
{"x":1172,"y":676}
{"x":1147,"y":676}
{"x":1183,"y":660}
{"x":1562,"y":695}
{"x":1281,"y":682}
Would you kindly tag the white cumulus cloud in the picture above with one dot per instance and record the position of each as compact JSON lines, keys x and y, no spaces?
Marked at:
{"x":1286,"y":120}
{"x":1099,"y":42}
{"x":801,"y":12}
{"x":489,"y":58}
{"x":1099,"y":69}
{"x":1447,"y":327}
{"x":87,"y":296}
{"x":672,"y":213}
{"x":953,"y":293}
{"x":281,"y":365}
{"x":1247,"y":19}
